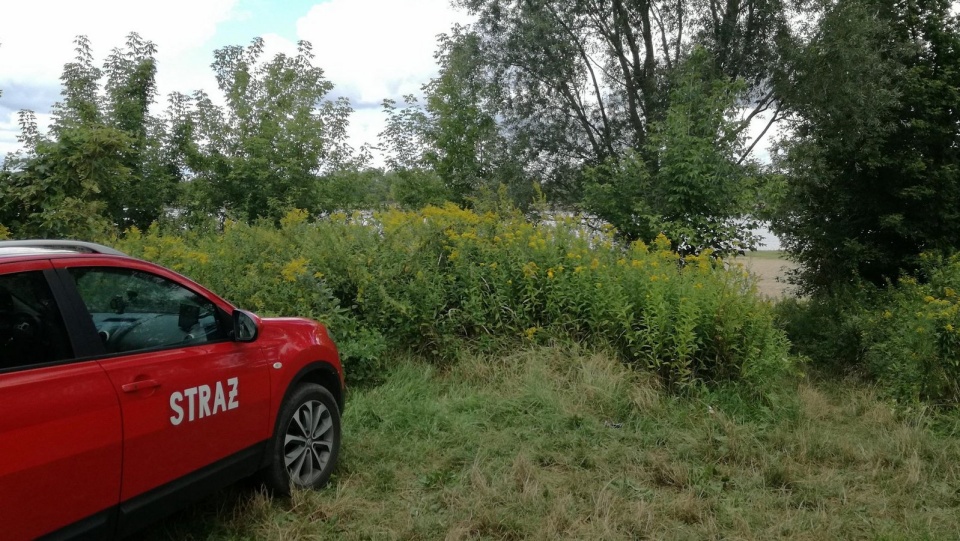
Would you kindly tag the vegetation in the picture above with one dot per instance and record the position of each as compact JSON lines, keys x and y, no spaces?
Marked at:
{"x":905,"y":336}
{"x":655,"y":393}
{"x":560,"y":443}
{"x":445,"y":279}
{"x":873,"y":158}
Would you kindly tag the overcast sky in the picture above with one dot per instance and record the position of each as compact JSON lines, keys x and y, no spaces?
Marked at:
{"x":370,"y":49}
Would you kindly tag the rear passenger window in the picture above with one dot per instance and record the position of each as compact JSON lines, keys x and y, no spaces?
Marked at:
{"x":31,"y":327}
{"x":134,"y":310}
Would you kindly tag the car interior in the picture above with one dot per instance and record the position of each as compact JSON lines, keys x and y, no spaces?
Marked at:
{"x":31,"y":331}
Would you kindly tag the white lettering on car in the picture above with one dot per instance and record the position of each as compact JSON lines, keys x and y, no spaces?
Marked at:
{"x":204,"y":401}
{"x":232,"y":382}
{"x":175,"y":400}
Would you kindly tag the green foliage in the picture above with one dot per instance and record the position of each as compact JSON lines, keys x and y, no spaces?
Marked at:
{"x":351,"y":189}
{"x":101,"y":166}
{"x":828,"y":330}
{"x":904,"y":336}
{"x":263,"y":151}
{"x":467,"y":149}
{"x":403,"y":139}
{"x":107,"y":164}
{"x":873,"y":162}
{"x":688,"y":182}
{"x":443,"y":280}
{"x":913,"y":342}
{"x":417,"y":188}
{"x":454,"y":134}
{"x":57,"y":188}
{"x":574,"y":84}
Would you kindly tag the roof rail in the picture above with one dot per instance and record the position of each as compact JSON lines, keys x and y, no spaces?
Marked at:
{"x":71,"y":245}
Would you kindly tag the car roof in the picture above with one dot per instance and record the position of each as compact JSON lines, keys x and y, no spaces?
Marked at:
{"x":44,"y":247}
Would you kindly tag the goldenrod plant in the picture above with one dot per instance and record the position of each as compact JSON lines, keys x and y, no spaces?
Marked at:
{"x":444,"y":280}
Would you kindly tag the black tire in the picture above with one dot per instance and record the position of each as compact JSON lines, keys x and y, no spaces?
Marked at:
{"x":306,"y":441}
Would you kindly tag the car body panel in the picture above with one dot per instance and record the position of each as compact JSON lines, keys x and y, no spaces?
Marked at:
{"x":221,"y":403}
{"x":60,"y":436}
{"x":97,"y":442}
{"x":293,"y":343}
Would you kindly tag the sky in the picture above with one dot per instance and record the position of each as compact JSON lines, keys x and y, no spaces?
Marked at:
{"x":369,"y":49}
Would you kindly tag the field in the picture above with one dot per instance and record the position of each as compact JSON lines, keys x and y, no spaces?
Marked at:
{"x":553,"y":443}
{"x":770,"y":267}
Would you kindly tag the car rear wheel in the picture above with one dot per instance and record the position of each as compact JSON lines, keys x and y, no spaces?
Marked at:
{"x":306,"y":441}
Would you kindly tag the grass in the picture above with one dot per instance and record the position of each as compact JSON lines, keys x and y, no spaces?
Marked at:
{"x":551,"y":443}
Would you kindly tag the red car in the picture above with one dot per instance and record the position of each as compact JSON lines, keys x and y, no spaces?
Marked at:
{"x":128,"y":391}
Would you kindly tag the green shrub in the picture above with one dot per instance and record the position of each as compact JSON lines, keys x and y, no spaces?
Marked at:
{"x":442,"y":279}
{"x":914,"y":343}
{"x":905,"y":336}
{"x":828,"y":330}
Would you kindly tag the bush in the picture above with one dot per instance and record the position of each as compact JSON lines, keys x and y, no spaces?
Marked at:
{"x":829,"y":330}
{"x":914,"y":343}
{"x":904,"y":336}
{"x":442,"y":279}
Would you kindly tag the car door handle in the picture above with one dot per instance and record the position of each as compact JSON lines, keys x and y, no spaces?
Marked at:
{"x":139,"y":385}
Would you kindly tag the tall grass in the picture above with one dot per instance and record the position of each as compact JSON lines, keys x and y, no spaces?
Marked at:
{"x":561,"y":443}
{"x":443,"y":281}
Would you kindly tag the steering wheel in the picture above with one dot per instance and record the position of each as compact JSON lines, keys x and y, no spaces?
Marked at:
{"x":21,"y":326}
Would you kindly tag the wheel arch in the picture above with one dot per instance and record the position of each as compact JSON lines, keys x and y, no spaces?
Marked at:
{"x":321,"y":373}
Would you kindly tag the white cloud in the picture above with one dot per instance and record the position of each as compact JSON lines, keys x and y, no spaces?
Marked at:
{"x":370,"y":49}
{"x":37,"y":38}
{"x":375,"y":49}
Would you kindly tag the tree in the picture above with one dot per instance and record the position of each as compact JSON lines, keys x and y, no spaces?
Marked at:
{"x":267,"y":148}
{"x":873,"y":162}
{"x":454,"y":135}
{"x":102,"y":158}
{"x":74,"y":181}
{"x":468,"y":150}
{"x":693,"y":185}
{"x":583,"y":81}
{"x":129,"y":92}
{"x":52,"y":189}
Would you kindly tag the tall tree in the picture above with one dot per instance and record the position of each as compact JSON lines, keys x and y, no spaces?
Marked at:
{"x":582,"y":81}
{"x":694,"y":184}
{"x":65,"y":183}
{"x":467,"y":149}
{"x":873,"y":162}
{"x":266,"y":149}
{"x":129,"y":92}
{"x":454,"y":134}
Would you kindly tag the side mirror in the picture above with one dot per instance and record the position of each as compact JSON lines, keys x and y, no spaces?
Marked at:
{"x":244,"y":326}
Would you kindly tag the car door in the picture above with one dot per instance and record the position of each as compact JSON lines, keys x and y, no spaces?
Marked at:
{"x":195,"y":404}
{"x":60,"y":426}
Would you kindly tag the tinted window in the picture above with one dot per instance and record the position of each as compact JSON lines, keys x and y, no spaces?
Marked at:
{"x":31,"y":327}
{"x":134,"y":310}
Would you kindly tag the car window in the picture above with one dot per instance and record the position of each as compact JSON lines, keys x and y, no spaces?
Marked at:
{"x":134,"y":310}
{"x":31,"y":326}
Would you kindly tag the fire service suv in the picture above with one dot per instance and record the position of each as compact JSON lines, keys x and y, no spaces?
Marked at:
{"x":128,"y":391}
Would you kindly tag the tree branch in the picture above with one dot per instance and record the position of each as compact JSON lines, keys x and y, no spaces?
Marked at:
{"x":773,"y":119}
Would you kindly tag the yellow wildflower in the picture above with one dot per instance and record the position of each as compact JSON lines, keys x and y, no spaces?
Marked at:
{"x":295,"y":268}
